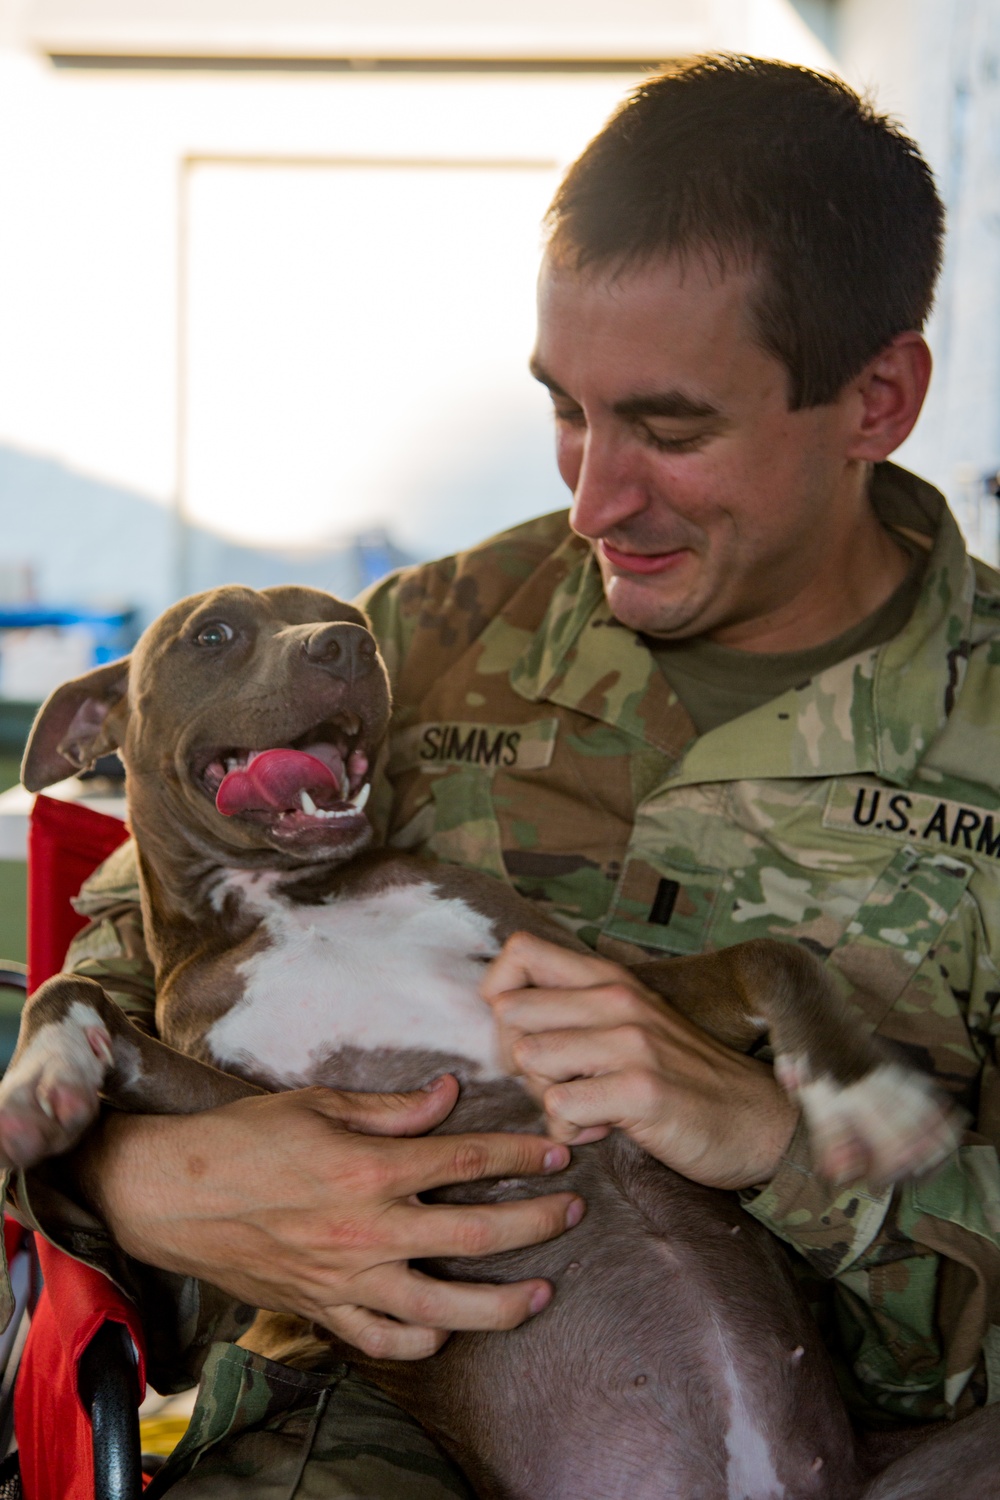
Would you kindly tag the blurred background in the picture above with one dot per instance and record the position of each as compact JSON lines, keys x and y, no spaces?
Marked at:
{"x":267,"y":273}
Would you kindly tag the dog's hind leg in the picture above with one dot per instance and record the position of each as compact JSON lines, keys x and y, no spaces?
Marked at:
{"x":955,"y":1459}
{"x":76,"y":1047}
{"x":869,"y":1114}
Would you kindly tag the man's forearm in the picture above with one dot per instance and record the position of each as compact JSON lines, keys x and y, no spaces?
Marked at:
{"x":306,"y":1203}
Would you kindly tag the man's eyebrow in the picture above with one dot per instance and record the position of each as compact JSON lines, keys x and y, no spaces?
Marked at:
{"x":665,"y":404}
{"x":542,"y":375}
{"x":659,"y":404}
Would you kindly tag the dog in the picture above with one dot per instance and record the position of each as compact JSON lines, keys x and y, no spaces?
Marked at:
{"x":250,"y":724}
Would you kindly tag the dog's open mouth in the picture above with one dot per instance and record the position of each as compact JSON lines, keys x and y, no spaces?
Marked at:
{"x":316,"y":783}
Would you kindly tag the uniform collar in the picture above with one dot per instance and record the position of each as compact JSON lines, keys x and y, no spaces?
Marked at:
{"x":877,"y":712}
{"x":583,"y":659}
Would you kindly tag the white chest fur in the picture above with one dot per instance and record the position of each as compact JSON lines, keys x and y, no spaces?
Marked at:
{"x":398,"y":970}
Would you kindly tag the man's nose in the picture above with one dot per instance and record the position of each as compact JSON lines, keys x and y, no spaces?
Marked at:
{"x":345,"y":651}
{"x":608,"y":491}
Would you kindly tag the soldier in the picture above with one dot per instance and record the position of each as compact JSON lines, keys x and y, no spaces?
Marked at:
{"x":750,"y":686}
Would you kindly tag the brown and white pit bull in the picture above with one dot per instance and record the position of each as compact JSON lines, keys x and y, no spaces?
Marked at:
{"x":286,"y":955}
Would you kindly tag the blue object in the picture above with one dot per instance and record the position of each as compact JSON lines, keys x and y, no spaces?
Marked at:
{"x":113,"y":630}
{"x":27,"y":616}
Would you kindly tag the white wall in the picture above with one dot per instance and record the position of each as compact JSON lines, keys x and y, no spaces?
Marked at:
{"x":91,"y":172}
{"x":937,"y":67}
{"x":186,"y":309}
{"x":363,"y":416}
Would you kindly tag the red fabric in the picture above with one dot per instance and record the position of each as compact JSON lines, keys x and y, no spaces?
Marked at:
{"x":53,"y":1431}
{"x":66,"y":843}
{"x":13,"y":1234}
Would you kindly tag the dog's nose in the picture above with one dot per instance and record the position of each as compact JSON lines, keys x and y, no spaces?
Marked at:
{"x":346,"y":651}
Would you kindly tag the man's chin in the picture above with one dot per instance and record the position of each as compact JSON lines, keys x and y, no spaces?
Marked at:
{"x":644,"y":605}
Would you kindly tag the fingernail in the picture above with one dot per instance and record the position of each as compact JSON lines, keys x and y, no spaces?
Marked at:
{"x":540,"y":1299}
{"x":434,"y":1085}
{"x":574,"y":1213}
{"x":555,"y":1159}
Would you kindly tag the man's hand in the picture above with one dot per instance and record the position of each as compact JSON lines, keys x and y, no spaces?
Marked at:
{"x":599,"y":1050}
{"x":306,"y":1202}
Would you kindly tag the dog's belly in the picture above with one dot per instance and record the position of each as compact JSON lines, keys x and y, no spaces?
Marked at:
{"x":392,"y":972}
{"x":356,"y":990}
{"x":677,"y":1360}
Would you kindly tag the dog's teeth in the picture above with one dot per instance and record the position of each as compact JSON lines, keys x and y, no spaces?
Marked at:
{"x":308,"y":805}
{"x":361,"y":796}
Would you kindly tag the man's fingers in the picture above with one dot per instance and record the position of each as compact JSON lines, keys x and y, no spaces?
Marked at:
{"x":560,"y":1055}
{"x":442,"y":1229}
{"x":441,"y":1160}
{"x":567,"y":1132}
{"x":522,"y":1013}
{"x":591,"y":1133}
{"x":549,"y":1010}
{"x":380,"y":1337}
{"x":425,"y":1302}
{"x":388,"y":1114}
{"x":527,"y":961}
{"x":612,"y":1099}
{"x":410,"y":1311}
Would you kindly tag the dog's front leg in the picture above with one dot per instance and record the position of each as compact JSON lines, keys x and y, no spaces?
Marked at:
{"x":868,"y":1112}
{"x":77,"y":1047}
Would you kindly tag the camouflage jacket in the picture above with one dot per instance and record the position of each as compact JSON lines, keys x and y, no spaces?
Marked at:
{"x":535,"y":738}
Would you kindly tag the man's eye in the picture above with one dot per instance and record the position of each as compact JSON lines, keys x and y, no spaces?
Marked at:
{"x":571,"y":415}
{"x":675,"y":444}
{"x":215,"y":633}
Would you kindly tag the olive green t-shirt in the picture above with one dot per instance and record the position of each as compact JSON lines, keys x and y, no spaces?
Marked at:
{"x":718,"y":683}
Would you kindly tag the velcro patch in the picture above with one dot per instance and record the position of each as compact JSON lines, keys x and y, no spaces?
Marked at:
{"x":865,"y":807}
{"x":524,"y":747}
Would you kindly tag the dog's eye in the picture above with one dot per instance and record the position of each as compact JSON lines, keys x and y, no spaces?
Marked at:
{"x":215,"y":633}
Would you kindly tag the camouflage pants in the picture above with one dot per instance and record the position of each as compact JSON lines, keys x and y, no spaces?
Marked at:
{"x":264,"y":1431}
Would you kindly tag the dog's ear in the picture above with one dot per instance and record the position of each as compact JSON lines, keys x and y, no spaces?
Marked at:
{"x":76,"y":724}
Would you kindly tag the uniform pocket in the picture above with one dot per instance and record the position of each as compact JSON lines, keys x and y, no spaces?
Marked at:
{"x":456,"y":823}
{"x":442,"y":778}
{"x":252,"y":1413}
{"x":897,"y":925}
{"x":666,"y":908}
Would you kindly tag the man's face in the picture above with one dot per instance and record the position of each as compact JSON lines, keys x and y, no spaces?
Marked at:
{"x":709,"y":505}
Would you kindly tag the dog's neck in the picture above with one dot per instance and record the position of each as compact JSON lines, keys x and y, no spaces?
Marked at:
{"x":180,"y":876}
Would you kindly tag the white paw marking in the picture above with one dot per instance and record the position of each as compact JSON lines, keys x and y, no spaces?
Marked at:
{"x":61,"y":1055}
{"x":890,"y":1124}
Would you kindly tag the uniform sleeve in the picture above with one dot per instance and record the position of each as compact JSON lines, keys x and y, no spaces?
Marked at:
{"x":911,"y":1275}
{"x":391,"y":621}
{"x":112,"y":950}
{"x":181,"y":1317}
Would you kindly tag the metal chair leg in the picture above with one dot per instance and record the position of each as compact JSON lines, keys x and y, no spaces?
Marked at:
{"x":109,"y":1389}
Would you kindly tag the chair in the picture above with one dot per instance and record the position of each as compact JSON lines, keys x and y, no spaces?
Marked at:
{"x":81,"y":1375}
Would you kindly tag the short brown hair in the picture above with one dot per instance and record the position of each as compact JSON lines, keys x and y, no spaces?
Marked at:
{"x":780,"y":166}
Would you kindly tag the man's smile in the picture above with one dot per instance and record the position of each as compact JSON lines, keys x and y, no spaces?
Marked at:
{"x":642,"y":562}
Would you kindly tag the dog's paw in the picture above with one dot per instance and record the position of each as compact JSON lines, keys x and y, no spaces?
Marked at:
{"x":51,"y":1091}
{"x":891,"y":1124}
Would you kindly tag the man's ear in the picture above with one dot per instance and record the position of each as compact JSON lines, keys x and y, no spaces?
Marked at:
{"x":891,"y":390}
{"x":75,"y":725}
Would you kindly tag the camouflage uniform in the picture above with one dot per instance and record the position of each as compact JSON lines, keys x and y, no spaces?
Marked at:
{"x":535,"y":738}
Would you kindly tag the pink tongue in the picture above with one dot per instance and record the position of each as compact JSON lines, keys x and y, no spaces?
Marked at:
{"x":273,"y":781}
